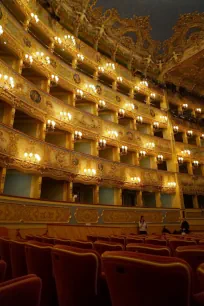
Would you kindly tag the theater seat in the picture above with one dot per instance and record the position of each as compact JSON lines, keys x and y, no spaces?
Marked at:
{"x":18,"y":258}
{"x":149,"y":249}
{"x":62,"y":241}
{"x":81,"y":244}
{"x":76,"y":276}
{"x":134,"y":240}
{"x":39,"y":262}
{"x":23,"y":291}
{"x":174,"y":243}
{"x":200,"y":277}
{"x":155,"y":241}
{"x":144,"y":280}
{"x":102,"y":246}
{"x":5,"y":255}
{"x":194,"y":255}
{"x":49,"y":240}
{"x":120,"y":240}
{"x":2,"y":270}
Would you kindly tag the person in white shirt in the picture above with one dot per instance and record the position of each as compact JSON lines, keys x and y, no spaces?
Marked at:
{"x":142,"y":226}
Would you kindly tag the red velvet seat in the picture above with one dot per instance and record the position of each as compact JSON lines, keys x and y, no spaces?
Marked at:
{"x":103,"y":238}
{"x":144,"y":280}
{"x":149,"y":249}
{"x":39,"y":262}
{"x":155,"y":241}
{"x":76,"y":276}
{"x":82,"y":244}
{"x":201,"y":241}
{"x":2,"y":270}
{"x":22,"y":291}
{"x":18,"y":258}
{"x":174,"y":243}
{"x":102,"y":246}
{"x":200,"y":277}
{"x":194,"y":255}
{"x":91,"y":238}
{"x":5,"y":255}
{"x":62,"y":241}
{"x":50,"y":240}
{"x":120,"y":240}
{"x":134,"y":240}
{"x":29,"y":237}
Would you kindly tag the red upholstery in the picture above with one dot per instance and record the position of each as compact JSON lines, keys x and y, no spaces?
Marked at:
{"x":39,"y":262}
{"x":62,"y":241}
{"x":2,"y":270}
{"x":76,"y":276}
{"x":174,"y":243}
{"x":120,"y":240}
{"x":81,"y":244}
{"x":103,"y":238}
{"x":144,"y":280}
{"x":91,"y":238}
{"x":50,"y":240}
{"x":21,"y":292}
{"x":201,"y":241}
{"x":40,"y":244}
{"x":101,"y":246}
{"x":134,"y":240}
{"x":18,"y":258}
{"x":200,"y":277}
{"x":149,"y":249}
{"x":29,"y":237}
{"x":155,"y":241}
{"x":5,"y":255}
{"x":38,"y":238}
{"x":194,"y":255}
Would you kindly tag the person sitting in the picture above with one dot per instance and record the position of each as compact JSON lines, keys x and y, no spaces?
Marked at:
{"x":165,"y":230}
{"x":185,"y":227}
{"x":142,"y":226}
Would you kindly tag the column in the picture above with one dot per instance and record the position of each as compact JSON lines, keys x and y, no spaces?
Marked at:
{"x":41,"y":130}
{"x":9,"y":114}
{"x":96,"y":194}
{"x":114,"y":85}
{"x":35,"y":190}
{"x":2,"y":179}
{"x":131,"y":93}
{"x":195,"y":201}
{"x":118,"y":196}
{"x":190,"y":168}
{"x":74,"y":63}
{"x":158,"y":199}
{"x":139,"y":199}
{"x":95,"y":75}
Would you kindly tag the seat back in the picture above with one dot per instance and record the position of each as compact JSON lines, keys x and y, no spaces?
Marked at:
{"x":120,"y":240}
{"x":155,"y":241}
{"x":39,"y":262}
{"x":103,"y":238}
{"x":5,"y":255}
{"x":145,"y":280}
{"x":200,"y":277}
{"x":82,"y":244}
{"x":2,"y":270}
{"x":91,"y":238}
{"x":76,"y":277}
{"x":102,"y":246}
{"x":62,"y":241}
{"x":194,"y":256}
{"x":134,"y":240}
{"x":49,"y":240}
{"x":18,"y":258}
{"x":174,"y":243}
{"x":149,"y":249}
{"x":22,"y":292}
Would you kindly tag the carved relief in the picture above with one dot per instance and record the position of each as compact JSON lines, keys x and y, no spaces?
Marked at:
{"x":35,"y":96}
{"x":85,"y":215}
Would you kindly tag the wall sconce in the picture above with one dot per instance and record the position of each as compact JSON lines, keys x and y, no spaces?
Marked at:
{"x":58,"y":39}
{"x":32,"y":158}
{"x":113,"y":134}
{"x":144,"y":83}
{"x":164,"y":118}
{"x":90,"y":172}
{"x":175,"y":129}
{"x":137,"y":88}
{"x":121,"y":113}
{"x":189,"y":133}
{"x":101,"y":104}
{"x":156,"y":125}
{"x":54,"y":80}
{"x":195,"y":163}
{"x":150,"y":145}
{"x":101,"y":69}
{"x":1,"y":30}
{"x":160,"y":159}
{"x":80,"y":57}
{"x":123,"y":150}
{"x":102,"y":143}
{"x":91,"y":87}
{"x":40,"y":56}
{"x":153,"y":95}
{"x":139,"y":119}
{"x":6,"y":82}
{"x":198,"y":110}
{"x":180,"y":160}
{"x":70,"y":38}
{"x":110,"y":65}
{"x":130,"y":106}
{"x":172,"y":184}
{"x":50,"y":125}
{"x":185,"y":106}
{"x":34,"y":17}
{"x":136,"y":179}
{"x":142,"y":153}
{"x":77,"y":135}
{"x":80,"y":93}
{"x":28,"y":60}
{"x":202,"y":136}
{"x":119,"y":79}
{"x":186,"y":152}
{"x":65,"y":116}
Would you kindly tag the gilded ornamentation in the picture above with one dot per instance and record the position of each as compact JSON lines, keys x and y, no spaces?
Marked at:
{"x":118,"y":99}
{"x":75,"y":161}
{"x":85,"y":215}
{"x":100,"y":167}
{"x":35,"y":96}
{"x":1,"y":14}
{"x":172,"y":216}
{"x":27,"y":42}
{"x":76,"y":78}
{"x":152,"y":113}
{"x":98,"y":89}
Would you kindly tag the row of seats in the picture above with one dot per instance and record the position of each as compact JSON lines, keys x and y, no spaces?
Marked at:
{"x":78,"y":276}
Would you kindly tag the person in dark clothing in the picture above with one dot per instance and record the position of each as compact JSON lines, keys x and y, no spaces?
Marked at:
{"x":165,"y":230}
{"x":185,"y":227}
